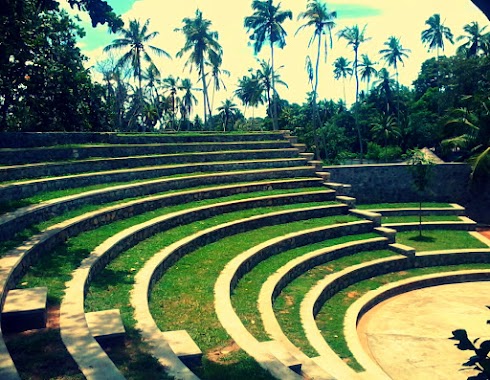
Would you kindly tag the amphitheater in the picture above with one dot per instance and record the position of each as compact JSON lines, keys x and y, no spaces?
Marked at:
{"x":223,"y":256}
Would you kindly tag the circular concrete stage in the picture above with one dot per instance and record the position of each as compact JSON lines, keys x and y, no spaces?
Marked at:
{"x":407,"y":335}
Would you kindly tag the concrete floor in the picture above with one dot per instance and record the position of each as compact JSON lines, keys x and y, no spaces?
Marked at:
{"x":408,"y":335}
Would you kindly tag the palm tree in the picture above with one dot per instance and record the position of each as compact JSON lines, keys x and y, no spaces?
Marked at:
{"x":267,"y":77}
{"x":250,"y":91}
{"x":215,"y":61}
{"x":394,"y":54}
{"x":367,"y":70}
{"x":355,"y":37}
{"x":171,"y":85}
{"x":227,"y":111}
{"x":322,"y":21}
{"x":136,"y":38}
{"x":475,"y":39}
{"x":384,"y":86}
{"x":200,"y":42}
{"x":188,"y":99}
{"x":152,"y":76}
{"x":433,"y":37}
{"x":341,"y":70}
{"x":266,"y":25}
{"x":386,"y":130}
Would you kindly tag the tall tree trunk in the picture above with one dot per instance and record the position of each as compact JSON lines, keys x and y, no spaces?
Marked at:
{"x":274,"y":103}
{"x":356,"y":113}
{"x":316,"y":115}
{"x":204,"y":92}
{"x":397,"y":96}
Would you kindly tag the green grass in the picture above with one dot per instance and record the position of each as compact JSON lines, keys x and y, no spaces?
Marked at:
{"x":180,"y":302}
{"x":330,"y":319}
{"x":375,"y":206}
{"x":415,"y":219}
{"x":438,"y":240}
{"x":55,"y":269}
{"x":246,"y":294}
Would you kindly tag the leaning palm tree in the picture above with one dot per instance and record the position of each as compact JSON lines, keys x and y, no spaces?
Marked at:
{"x":215,"y":61}
{"x":341,"y":70}
{"x":322,"y":21}
{"x":474,"y":39}
{"x":433,"y":37}
{"x":355,"y":37}
{"x":135,"y":40}
{"x":200,"y":43}
{"x":393,"y":55}
{"x":367,"y":70}
{"x":266,"y":25}
{"x":227,"y":111}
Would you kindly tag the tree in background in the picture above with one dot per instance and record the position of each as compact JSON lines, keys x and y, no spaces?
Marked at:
{"x":266,"y":25}
{"x":342,"y":69}
{"x":433,"y":37}
{"x":367,"y":70}
{"x":216,"y":73}
{"x":475,"y":40}
{"x":200,"y":44}
{"x":227,"y":111}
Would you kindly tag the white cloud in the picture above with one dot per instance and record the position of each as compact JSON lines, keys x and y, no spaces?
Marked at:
{"x":403,"y":19}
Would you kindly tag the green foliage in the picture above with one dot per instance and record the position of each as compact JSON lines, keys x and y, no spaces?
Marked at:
{"x":378,"y":153}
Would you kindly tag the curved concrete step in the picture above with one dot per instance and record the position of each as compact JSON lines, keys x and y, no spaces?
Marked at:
{"x":466,"y":224}
{"x":16,"y":221}
{"x":30,"y":155}
{"x":72,"y":318}
{"x":50,"y":169}
{"x":24,"y":189}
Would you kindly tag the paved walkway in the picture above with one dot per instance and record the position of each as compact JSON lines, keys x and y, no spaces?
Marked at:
{"x":408,"y":335}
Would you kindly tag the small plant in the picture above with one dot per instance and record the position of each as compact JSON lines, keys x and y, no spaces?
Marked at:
{"x":481,"y":360}
{"x":420,"y":167}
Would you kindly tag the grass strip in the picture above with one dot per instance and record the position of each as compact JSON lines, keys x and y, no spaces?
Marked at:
{"x":21,"y":236}
{"x":438,"y":240}
{"x":56,"y":267}
{"x":379,"y":206}
{"x":246,"y":293}
{"x":179,"y":301}
{"x":415,"y":218}
{"x":330,"y":319}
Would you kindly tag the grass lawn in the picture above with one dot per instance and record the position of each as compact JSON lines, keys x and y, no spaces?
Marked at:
{"x":415,"y":219}
{"x":438,"y":240}
{"x":180,"y":302}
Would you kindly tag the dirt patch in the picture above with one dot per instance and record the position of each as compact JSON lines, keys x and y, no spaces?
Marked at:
{"x":220,"y":354}
{"x":289,"y":300}
{"x":352,"y":295}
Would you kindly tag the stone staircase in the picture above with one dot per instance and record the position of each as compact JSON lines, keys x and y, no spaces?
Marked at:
{"x":182,"y":194}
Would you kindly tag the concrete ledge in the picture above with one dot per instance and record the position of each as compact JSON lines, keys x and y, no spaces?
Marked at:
{"x":369,"y":300}
{"x":346,"y":199}
{"x":300,"y":147}
{"x":323,"y":175}
{"x":183,"y":346}
{"x":401,"y":249}
{"x":307,"y":155}
{"x":283,"y":355}
{"x":388,"y":233}
{"x":332,"y":284}
{"x":369,"y":215}
{"x":340,"y":188}
{"x":106,"y":326}
{"x":25,"y":309}
{"x":455,"y":209}
{"x":17,"y":220}
{"x":465,"y":224}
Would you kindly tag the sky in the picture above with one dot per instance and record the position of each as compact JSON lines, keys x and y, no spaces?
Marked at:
{"x":384,"y":18}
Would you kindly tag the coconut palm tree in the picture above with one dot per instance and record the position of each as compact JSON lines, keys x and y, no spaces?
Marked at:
{"x":250,"y":91}
{"x":227,"y":111}
{"x":433,"y":37}
{"x":355,"y":37}
{"x":342,"y":69}
{"x":266,"y":25}
{"x":475,"y":39}
{"x":171,"y":85}
{"x":384,"y":86}
{"x":215,"y":61}
{"x":386,"y":129}
{"x":135,"y":40}
{"x":367,"y":70}
{"x":200,"y":43}
{"x":267,"y":77}
{"x":187,"y":100}
{"x":393,"y":55}
{"x":322,"y":21}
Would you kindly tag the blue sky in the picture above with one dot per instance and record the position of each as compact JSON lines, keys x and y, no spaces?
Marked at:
{"x":384,"y":18}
